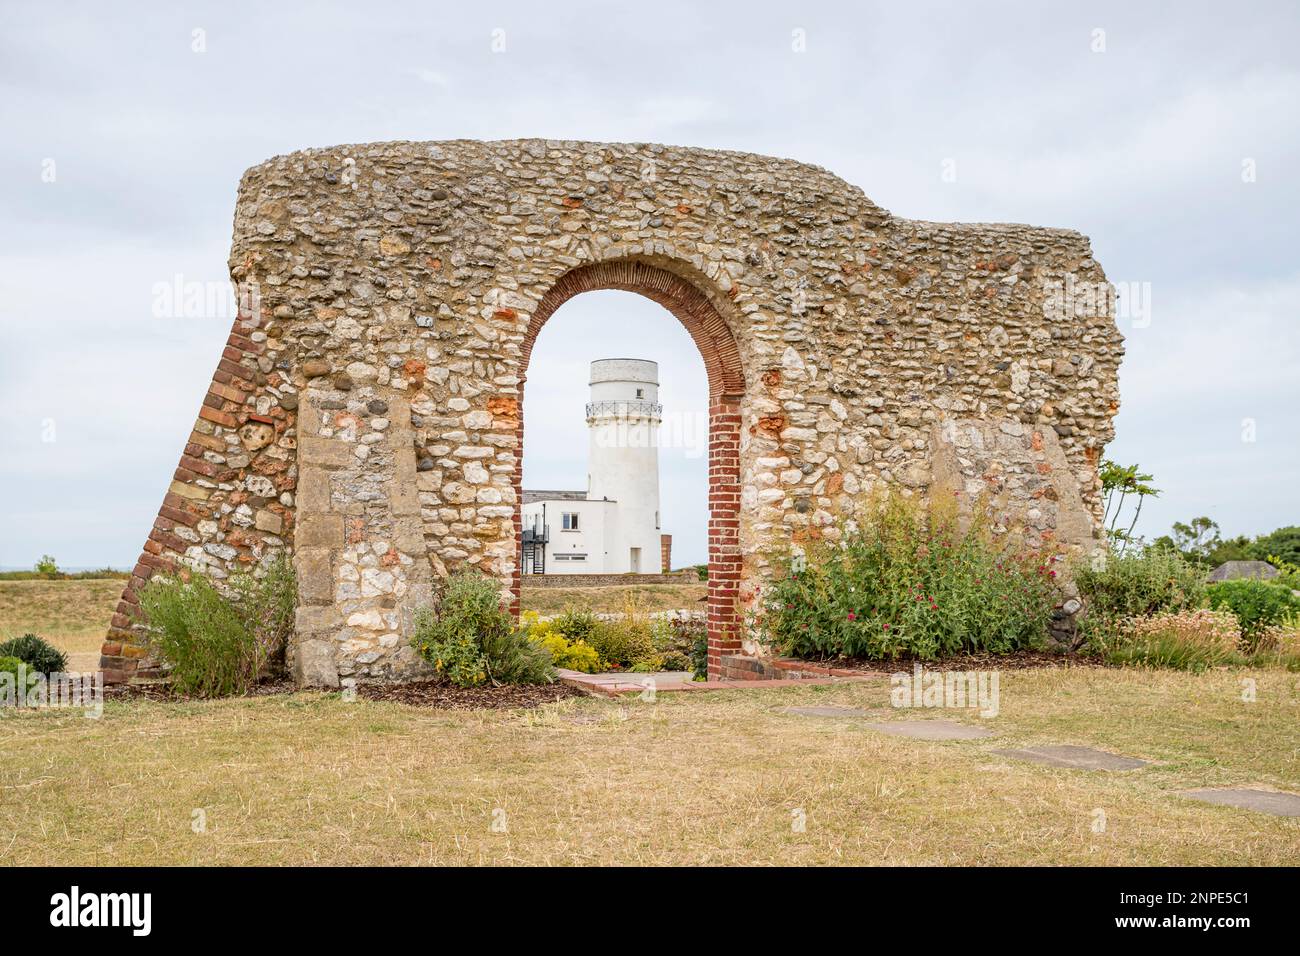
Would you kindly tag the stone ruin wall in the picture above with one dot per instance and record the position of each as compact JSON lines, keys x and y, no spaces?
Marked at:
{"x":366,"y":410}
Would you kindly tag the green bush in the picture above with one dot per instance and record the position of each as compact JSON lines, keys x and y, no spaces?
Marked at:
{"x":577,"y":624}
{"x":47,"y":567}
{"x":1133,"y":584}
{"x":469,"y":639}
{"x":674,"y":642}
{"x":575,"y":655}
{"x":12,"y":665}
{"x":1258,"y":606}
{"x":700,"y":653}
{"x":907,"y":580}
{"x":36,"y":652}
{"x":217,"y":643}
{"x":626,"y":642}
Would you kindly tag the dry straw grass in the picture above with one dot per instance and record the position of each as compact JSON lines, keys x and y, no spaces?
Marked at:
{"x":613,"y":598}
{"x":72,"y":615}
{"x":699,"y":778}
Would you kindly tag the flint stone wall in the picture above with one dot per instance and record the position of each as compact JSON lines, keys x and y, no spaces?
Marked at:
{"x":367,"y":410}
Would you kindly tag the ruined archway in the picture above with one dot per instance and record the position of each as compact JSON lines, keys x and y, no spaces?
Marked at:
{"x":365,"y":412}
{"x":712,"y":336}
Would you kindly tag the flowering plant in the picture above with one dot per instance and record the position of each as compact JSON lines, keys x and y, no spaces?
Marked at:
{"x":903,"y":579}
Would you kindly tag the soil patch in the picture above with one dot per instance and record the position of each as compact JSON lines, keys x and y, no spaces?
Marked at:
{"x":447,"y":697}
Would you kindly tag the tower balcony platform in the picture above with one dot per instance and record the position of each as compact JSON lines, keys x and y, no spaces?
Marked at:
{"x":619,"y":408}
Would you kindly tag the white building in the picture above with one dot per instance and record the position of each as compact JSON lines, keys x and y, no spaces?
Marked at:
{"x":613,"y":526}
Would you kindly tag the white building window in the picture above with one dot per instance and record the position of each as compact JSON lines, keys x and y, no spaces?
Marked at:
{"x":571,"y":557}
{"x":640,"y":393}
{"x":570,"y":519}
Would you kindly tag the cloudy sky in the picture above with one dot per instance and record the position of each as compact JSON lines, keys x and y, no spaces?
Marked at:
{"x":1166,"y":134}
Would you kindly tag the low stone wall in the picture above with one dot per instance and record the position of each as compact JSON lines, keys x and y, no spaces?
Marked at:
{"x":606,"y":580}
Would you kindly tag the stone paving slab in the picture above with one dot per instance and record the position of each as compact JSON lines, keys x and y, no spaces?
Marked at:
{"x":1265,"y":801}
{"x":931,"y":730}
{"x":829,"y":711}
{"x":1078,"y":758}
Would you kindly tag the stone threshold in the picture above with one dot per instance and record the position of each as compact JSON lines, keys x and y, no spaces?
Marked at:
{"x":745,"y":667}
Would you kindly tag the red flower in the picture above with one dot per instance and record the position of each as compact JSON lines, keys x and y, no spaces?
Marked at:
{"x":852,"y":616}
{"x":886,"y":627}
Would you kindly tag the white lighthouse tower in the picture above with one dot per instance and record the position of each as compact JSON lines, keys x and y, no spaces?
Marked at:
{"x":623,"y":464}
{"x":611,"y":527}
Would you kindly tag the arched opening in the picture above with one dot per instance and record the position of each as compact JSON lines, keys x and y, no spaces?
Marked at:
{"x":721,"y":357}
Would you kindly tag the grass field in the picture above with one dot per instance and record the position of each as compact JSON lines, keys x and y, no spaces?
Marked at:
{"x":73,"y":615}
{"x":687,"y":779}
{"x":690,"y":778}
{"x":649,"y":597}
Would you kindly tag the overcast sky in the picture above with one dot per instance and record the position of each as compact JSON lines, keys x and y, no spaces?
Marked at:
{"x":1138,"y":127}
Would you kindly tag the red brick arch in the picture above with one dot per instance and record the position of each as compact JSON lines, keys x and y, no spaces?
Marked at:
{"x":713,"y":337}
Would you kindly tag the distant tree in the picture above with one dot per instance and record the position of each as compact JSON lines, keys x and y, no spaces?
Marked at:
{"x":1119,"y":483}
{"x":47,"y":567}
{"x":1196,"y":540}
{"x":1284,"y":544}
{"x":1240,"y":548}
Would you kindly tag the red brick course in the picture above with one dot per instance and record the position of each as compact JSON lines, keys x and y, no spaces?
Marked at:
{"x":721,"y":357}
{"x":124,"y":653}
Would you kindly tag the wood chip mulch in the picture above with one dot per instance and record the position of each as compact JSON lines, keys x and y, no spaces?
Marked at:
{"x":418,"y":694}
{"x":1019,"y":660}
{"x":446,"y":697}
{"x":160,"y":690}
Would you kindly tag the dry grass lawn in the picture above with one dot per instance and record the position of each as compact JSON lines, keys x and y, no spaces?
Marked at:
{"x":72,"y":615}
{"x":696,"y":778}
{"x":649,"y":597}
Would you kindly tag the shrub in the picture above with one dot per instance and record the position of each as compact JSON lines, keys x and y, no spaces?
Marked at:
{"x":217,"y":643}
{"x":1136,"y":583}
{"x":699,"y":656}
{"x":674,"y":641}
{"x":577,"y":624}
{"x":469,"y":639}
{"x":1186,"y":640}
{"x":13,"y":665}
{"x":907,"y":580}
{"x":629,"y":639}
{"x":1280,"y":644}
{"x":1258,"y":605}
{"x":624,"y":642}
{"x":575,"y":655}
{"x":36,"y":652}
{"x":47,"y":567}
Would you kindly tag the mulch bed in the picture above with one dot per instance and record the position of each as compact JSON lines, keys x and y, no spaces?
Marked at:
{"x":431,"y":693}
{"x":418,"y":694}
{"x":160,"y":690}
{"x":1015,"y":661}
